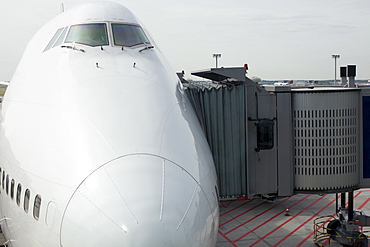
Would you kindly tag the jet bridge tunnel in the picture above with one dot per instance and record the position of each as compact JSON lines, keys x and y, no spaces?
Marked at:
{"x":282,"y":140}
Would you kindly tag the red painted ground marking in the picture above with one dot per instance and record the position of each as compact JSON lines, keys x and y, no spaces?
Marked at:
{"x":304,"y":223}
{"x":228,"y":239}
{"x":291,"y":218}
{"x":310,"y":235}
{"x":363,"y":204}
{"x":302,"y":242}
{"x":270,"y":219}
{"x":256,"y":216}
{"x":241,"y":214}
{"x":236,"y":207}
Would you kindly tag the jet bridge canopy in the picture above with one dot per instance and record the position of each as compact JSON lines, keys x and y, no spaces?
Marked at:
{"x":222,"y":74}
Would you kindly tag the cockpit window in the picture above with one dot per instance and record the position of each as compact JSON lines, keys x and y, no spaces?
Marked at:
{"x":128,"y":35}
{"x":52,"y":41}
{"x":94,"y":34}
{"x":61,"y":38}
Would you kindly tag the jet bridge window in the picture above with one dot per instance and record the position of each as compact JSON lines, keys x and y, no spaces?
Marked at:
{"x":128,"y":35}
{"x":265,"y":134}
{"x":93,"y":34}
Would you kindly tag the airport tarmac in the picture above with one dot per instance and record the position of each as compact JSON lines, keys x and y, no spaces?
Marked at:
{"x":259,"y":222}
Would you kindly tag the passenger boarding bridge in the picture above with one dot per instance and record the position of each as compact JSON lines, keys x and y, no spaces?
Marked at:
{"x":281,"y":140}
{"x":276,"y":141}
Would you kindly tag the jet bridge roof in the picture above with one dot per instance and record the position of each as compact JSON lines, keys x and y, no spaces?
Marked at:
{"x":221,"y":74}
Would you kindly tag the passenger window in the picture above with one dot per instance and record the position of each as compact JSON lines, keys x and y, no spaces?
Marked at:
{"x":36,"y":207}
{"x":128,"y":35}
{"x":7,"y":184}
{"x":3,"y":179}
{"x":26,"y":200}
{"x":12,"y":184}
{"x":94,"y":34}
{"x":52,"y":41}
{"x":19,"y":191}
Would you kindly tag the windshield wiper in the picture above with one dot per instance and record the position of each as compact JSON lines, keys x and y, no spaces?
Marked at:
{"x":73,"y":48}
{"x":146,"y":48}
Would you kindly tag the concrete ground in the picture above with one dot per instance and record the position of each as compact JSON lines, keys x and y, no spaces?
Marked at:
{"x":259,"y":222}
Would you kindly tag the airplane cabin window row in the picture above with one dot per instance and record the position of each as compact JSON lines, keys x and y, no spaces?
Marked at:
{"x":8,"y":184}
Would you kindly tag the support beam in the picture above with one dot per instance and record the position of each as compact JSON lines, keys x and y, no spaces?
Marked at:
{"x":350,"y":206}
{"x":342,"y":200}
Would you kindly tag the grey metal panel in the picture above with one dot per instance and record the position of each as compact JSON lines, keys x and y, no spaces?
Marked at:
{"x":262,"y":165}
{"x":326,"y":140}
{"x":285,"y":144}
{"x":222,"y":115}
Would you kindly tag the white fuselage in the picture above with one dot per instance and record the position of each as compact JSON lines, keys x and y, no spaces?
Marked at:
{"x":104,"y":143}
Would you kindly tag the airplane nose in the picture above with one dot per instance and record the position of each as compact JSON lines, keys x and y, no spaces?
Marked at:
{"x":138,"y":200}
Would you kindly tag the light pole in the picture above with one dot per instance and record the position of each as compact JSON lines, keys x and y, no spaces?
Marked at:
{"x":217,"y":55}
{"x":335,"y":67}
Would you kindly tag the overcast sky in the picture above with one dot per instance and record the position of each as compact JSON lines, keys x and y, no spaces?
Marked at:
{"x":287,"y":39}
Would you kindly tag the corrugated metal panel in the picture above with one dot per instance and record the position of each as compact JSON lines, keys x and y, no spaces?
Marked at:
{"x":326,"y":140}
{"x":221,"y":112}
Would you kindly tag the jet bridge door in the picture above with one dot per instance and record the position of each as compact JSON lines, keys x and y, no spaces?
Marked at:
{"x":262,"y":141}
